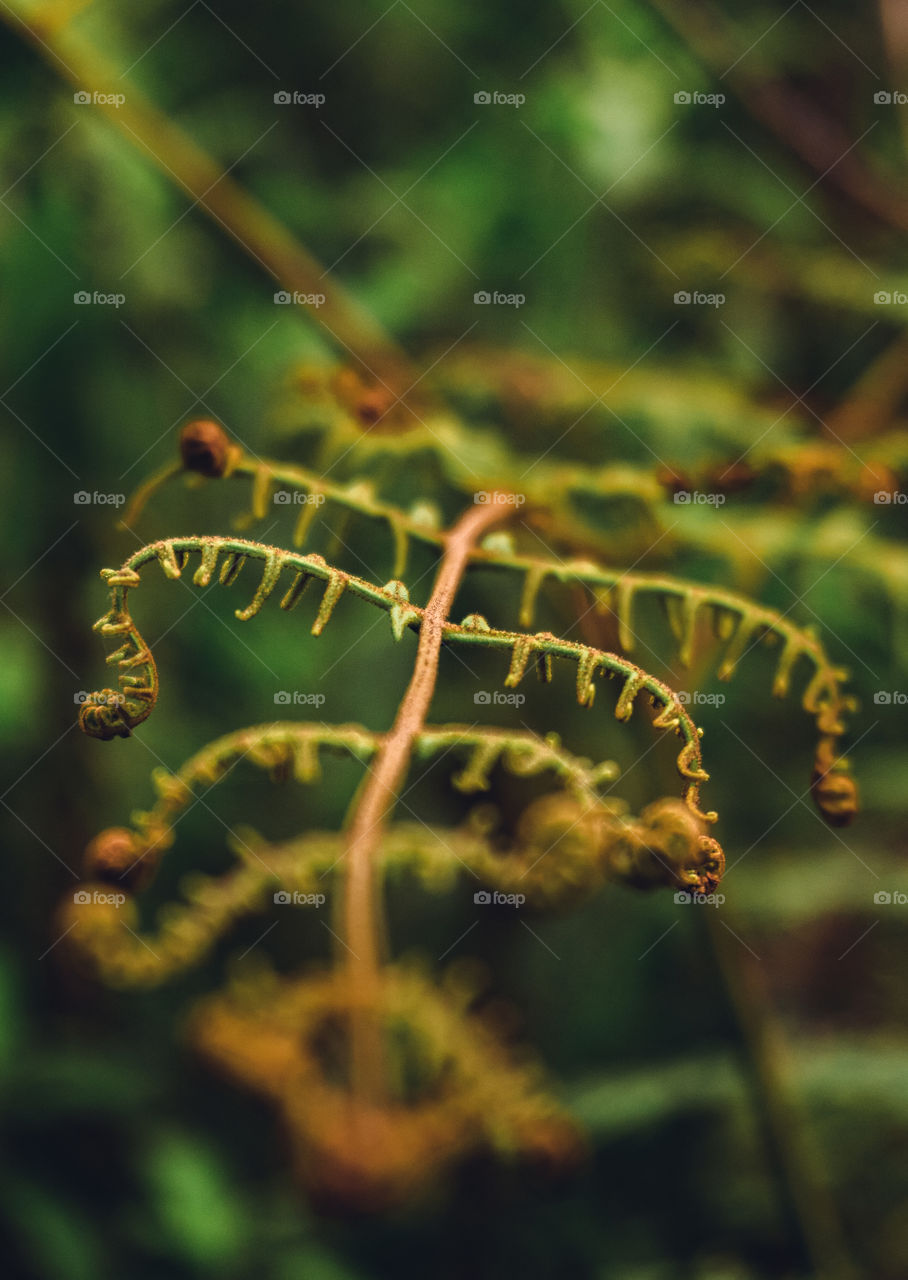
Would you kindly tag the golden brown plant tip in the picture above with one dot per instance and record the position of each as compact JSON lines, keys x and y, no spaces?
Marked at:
{"x":835,"y":794}
{"x":205,"y":448}
{"x":468,"y":1092}
{"x":378,"y":401}
{"x":115,"y":857}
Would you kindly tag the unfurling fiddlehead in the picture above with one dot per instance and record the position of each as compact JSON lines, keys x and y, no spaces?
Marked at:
{"x":467,"y":1092}
{"x":173,"y":555}
{"x":115,"y":713}
{"x":565,"y":845}
{"x":693,"y":610}
{"x":358,"y":1134}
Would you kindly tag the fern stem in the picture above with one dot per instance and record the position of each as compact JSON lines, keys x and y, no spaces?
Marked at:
{"x":182,"y":161}
{"x":810,"y":134}
{"x":378,"y":797}
{"x":788,"y":1139}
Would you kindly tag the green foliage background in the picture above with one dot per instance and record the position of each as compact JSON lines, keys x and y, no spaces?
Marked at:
{"x":123,"y":1156}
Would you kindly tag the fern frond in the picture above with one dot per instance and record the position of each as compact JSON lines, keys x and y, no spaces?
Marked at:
{"x":564,"y":849}
{"x":736,"y":620}
{"x":467,"y":1092}
{"x":172,"y":555}
{"x":111,"y":713}
{"x":287,"y":749}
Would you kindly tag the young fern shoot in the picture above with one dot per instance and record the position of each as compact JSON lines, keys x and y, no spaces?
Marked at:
{"x":566,"y":842}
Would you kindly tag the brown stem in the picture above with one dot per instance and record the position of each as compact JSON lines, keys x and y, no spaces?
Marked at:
{"x":379,"y":793}
{"x":238,"y":213}
{"x":795,"y":120}
{"x":876,"y":398}
{"x":894,"y":28}
{"x":797,"y":1163}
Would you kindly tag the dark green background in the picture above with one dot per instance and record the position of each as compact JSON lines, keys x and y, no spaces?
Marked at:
{"x":123,"y":1156}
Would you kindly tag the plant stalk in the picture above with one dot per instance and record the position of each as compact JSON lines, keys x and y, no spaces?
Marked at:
{"x":378,"y":797}
{"x":182,"y":161}
{"x":797,"y":1163}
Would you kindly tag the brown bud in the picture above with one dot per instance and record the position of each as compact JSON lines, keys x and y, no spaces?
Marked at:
{"x":373,"y":400}
{"x":835,"y":794}
{"x":204,"y":447}
{"x":115,"y":856}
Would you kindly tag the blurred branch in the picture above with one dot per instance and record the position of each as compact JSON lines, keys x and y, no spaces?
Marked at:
{"x":789,"y":114}
{"x":875,"y":399}
{"x":790,"y":1145}
{"x":894,"y":25}
{"x":256,"y":230}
